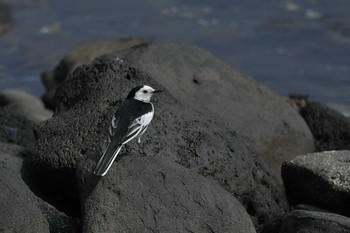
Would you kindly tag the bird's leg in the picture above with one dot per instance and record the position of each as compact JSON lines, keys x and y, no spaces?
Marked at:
{"x":126,"y":148}
{"x":142,"y":147}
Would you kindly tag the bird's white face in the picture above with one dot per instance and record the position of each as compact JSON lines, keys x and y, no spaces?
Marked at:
{"x":144,"y":94}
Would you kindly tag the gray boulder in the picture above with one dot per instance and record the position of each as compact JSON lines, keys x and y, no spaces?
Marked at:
{"x":85,"y":104}
{"x":83,"y":54}
{"x":211,"y":86}
{"x":330,"y":128}
{"x":300,"y":221}
{"x":20,"y":211}
{"x":16,"y":129}
{"x":222,"y":92}
{"x":319,"y":179}
{"x":149,"y":194}
{"x":24,"y":104}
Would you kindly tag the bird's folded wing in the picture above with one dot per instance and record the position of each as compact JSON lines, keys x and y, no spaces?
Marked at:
{"x":113,"y":125}
{"x":134,"y":129}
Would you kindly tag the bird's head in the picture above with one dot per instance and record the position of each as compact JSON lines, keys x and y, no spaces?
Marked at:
{"x":142,"y":93}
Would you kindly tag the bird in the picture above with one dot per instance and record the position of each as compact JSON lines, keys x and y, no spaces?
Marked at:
{"x":130,"y":121}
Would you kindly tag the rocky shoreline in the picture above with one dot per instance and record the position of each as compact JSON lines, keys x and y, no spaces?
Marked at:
{"x":210,"y":162}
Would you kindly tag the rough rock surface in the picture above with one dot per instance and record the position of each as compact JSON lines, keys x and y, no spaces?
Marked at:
{"x":19,"y":203}
{"x":300,"y":221}
{"x":153,"y":194}
{"x":319,"y":179}
{"x":20,"y":211}
{"x":177,"y":131}
{"x":224,"y":93}
{"x":83,"y":54}
{"x":331,"y":129}
{"x":24,"y":104}
{"x":206,"y":83}
{"x":16,"y":129}
{"x":58,"y":221}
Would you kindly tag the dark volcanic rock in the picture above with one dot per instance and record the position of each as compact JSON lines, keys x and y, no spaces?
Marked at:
{"x":156,"y":195}
{"x":88,"y":98}
{"x":299,"y":221}
{"x":83,"y":54}
{"x":222,"y":92}
{"x":58,"y":221}
{"x":16,"y":129}
{"x":320,"y":179}
{"x":20,"y":211}
{"x":331,"y":129}
{"x":207,"y":84}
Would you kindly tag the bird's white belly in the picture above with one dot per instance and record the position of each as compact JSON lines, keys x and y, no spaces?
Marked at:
{"x":147,"y":118}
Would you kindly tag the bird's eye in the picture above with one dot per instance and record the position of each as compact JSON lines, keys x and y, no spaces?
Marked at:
{"x":145,"y":91}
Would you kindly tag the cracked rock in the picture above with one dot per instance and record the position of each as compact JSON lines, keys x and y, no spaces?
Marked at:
{"x":152,"y":194}
{"x":85,"y":104}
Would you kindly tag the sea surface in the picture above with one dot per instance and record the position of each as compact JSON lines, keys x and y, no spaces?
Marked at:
{"x":299,"y":46}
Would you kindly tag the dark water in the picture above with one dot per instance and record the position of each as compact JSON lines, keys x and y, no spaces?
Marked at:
{"x":290,"y":46}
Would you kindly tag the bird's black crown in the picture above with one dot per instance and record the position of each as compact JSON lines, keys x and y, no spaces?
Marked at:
{"x":133,"y":92}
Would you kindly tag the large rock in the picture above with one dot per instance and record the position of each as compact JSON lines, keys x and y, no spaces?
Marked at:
{"x":227,"y":95}
{"x":207,"y":84}
{"x":16,"y":129}
{"x":330,"y":128}
{"x":20,"y":211}
{"x":24,"y":104}
{"x":300,"y":221}
{"x":156,"y":195}
{"x":83,"y":54}
{"x":88,"y":98}
{"x":319,"y":179}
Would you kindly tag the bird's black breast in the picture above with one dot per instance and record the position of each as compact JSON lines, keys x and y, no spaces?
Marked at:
{"x":133,"y":108}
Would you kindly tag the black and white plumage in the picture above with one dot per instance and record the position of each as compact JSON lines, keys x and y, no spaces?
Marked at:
{"x":130,"y":121}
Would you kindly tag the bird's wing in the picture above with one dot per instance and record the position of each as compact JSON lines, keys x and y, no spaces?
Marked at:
{"x":114,"y":124}
{"x":137,"y":126}
{"x":124,"y":135}
{"x":134,"y":126}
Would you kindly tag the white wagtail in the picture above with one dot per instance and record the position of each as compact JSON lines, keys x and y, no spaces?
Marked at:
{"x":130,"y":121}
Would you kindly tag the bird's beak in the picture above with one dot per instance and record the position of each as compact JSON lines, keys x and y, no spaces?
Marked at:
{"x":157,"y":91}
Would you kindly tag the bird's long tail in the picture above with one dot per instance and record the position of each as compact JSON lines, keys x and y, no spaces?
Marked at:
{"x":107,"y":159}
